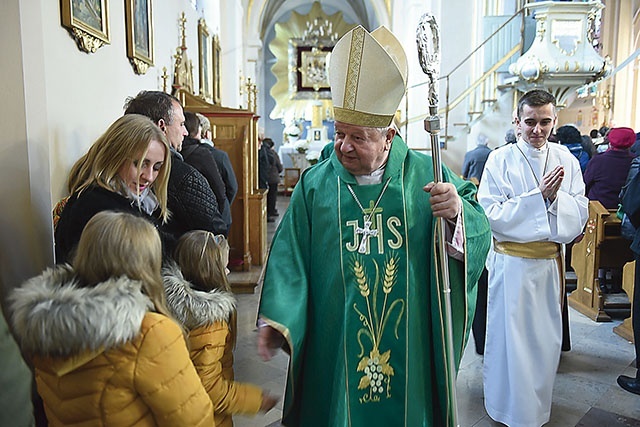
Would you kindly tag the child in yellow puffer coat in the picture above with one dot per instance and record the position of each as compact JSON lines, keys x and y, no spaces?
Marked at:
{"x":105,"y":350}
{"x":199,"y":296}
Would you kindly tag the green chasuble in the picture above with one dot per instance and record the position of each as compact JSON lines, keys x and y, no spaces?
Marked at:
{"x":366,"y":330}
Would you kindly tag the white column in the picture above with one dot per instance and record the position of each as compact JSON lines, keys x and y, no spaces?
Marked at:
{"x":231,"y":46}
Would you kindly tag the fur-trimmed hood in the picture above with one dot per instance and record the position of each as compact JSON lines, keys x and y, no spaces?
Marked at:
{"x":193,"y":308}
{"x":53,"y":316}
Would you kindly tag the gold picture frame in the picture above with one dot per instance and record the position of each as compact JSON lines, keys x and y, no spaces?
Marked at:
{"x":139,"y":29}
{"x":205,"y":59}
{"x":308,"y":79}
{"x":87,"y":21}
{"x":216,"y":69}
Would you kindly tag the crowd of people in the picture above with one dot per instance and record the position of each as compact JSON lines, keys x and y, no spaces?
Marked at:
{"x":135,"y":325}
{"x":136,"y":322}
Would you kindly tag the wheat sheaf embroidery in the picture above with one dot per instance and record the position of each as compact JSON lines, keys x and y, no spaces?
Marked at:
{"x":376,"y":365}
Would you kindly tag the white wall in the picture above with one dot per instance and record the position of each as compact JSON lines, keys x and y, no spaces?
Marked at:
{"x":58,"y":100}
{"x":24,"y":240}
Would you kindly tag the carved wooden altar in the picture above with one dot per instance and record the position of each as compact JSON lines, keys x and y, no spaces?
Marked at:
{"x":235,"y":132}
{"x":601,"y":247}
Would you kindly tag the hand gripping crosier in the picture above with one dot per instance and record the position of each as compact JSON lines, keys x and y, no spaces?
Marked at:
{"x":428,"y":42}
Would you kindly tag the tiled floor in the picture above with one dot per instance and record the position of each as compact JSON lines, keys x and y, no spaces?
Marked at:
{"x":585,"y":391}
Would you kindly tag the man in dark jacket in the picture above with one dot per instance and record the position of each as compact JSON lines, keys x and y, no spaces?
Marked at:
{"x":200,"y":157}
{"x":474,"y":160}
{"x":273,"y":177}
{"x":223,"y":161}
{"x":263,"y":171}
{"x":192,"y":203}
{"x":632,"y":209}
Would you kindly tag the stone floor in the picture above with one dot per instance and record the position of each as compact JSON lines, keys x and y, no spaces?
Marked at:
{"x":585,"y":391}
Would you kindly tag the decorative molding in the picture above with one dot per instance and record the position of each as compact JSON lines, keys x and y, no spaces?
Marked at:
{"x":86,"y":42}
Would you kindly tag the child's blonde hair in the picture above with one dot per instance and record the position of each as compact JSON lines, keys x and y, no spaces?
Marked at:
{"x":202,"y":258}
{"x":115,"y":244}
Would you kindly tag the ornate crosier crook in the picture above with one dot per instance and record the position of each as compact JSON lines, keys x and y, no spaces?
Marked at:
{"x":429,"y":54}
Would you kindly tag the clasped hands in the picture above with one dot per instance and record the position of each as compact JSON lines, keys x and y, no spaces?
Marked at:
{"x":551,"y":183}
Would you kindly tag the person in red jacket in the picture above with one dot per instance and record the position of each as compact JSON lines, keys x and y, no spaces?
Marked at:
{"x":607,"y":172}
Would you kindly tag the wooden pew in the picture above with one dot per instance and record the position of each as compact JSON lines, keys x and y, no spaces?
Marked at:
{"x":601,"y":247}
{"x":625,"y":329}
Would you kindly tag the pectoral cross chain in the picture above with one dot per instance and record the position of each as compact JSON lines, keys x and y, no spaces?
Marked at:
{"x":366,"y":233}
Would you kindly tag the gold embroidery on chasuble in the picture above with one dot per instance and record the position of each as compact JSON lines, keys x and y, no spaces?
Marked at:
{"x":378,"y":313}
{"x":375,"y":279}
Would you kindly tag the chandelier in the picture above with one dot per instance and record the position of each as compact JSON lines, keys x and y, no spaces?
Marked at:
{"x":319,"y":33}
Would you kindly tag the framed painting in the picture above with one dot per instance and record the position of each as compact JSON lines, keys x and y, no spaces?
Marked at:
{"x":204,"y":49}
{"x":87,"y":21}
{"x":309,"y":78}
{"x":139,"y":29}
{"x":216,"y":69}
{"x":312,"y":68}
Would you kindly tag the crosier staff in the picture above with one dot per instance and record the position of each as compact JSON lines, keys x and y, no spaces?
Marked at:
{"x":428,"y":42}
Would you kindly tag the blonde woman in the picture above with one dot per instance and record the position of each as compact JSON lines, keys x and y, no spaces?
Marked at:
{"x":199,"y":296}
{"x":126,"y":169}
{"x":105,"y":350}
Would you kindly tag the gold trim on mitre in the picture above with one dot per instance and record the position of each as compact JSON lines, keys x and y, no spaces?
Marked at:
{"x":368,"y":76}
{"x":363,"y":119}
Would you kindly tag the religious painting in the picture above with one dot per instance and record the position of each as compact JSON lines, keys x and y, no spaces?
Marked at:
{"x":299,"y":69}
{"x":309,"y":79}
{"x":139,"y":34}
{"x":216,"y":69}
{"x":87,"y":21}
{"x":312,"y":68}
{"x":205,"y":59}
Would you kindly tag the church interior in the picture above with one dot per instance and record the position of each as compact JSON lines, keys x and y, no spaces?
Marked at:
{"x":258,"y":68}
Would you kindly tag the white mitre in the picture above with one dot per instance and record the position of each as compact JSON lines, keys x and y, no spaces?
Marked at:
{"x":368,"y":77}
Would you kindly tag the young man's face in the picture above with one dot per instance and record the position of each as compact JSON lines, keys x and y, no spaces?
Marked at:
{"x":536,"y":123}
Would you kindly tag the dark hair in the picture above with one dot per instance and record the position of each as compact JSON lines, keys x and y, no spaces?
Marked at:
{"x":268,"y":142}
{"x":568,"y":134}
{"x":535,"y":98}
{"x":152,"y":103}
{"x":594,"y":133}
{"x":603,"y":131}
{"x":192,"y":123}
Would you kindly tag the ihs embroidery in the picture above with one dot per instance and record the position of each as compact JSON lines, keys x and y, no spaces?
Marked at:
{"x":377,"y":370}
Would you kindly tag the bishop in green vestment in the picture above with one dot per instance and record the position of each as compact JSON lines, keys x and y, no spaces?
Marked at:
{"x":351,"y":284}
